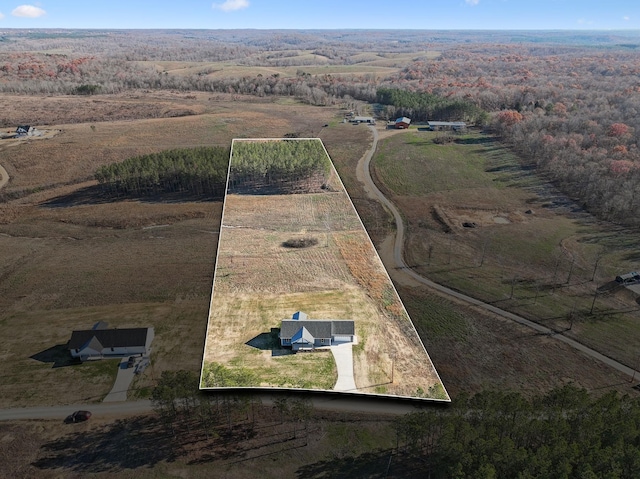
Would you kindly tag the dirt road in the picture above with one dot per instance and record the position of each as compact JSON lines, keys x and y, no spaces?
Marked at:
{"x":391,"y":252}
{"x":4,"y":177}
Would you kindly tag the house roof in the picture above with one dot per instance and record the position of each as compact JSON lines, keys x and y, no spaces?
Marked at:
{"x":302,"y":336}
{"x":403,"y":119}
{"x":299,"y":315}
{"x":446,"y":123}
{"x":109,"y":338}
{"x":319,"y":328}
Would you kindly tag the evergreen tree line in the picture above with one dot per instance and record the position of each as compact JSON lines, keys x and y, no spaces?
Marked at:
{"x":199,"y":171}
{"x":564,"y":434}
{"x":282,"y":163}
{"x":424,"y":106}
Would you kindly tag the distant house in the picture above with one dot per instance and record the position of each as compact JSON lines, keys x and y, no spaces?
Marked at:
{"x":403,"y":123}
{"x":23,"y":130}
{"x":300,"y":332}
{"x":628,"y":278}
{"x":447,"y":125}
{"x":363,"y":119}
{"x":104,"y":343}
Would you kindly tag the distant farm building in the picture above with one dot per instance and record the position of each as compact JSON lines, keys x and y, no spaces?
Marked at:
{"x":403,"y":123}
{"x":363,"y":119}
{"x":99,"y":343}
{"x":24,"y":130}
{"x":302,"y":333}
{"x":27,"y":130}
{"x":447,"y":125}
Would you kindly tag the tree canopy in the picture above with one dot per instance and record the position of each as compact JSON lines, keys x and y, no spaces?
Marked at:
{"x":197,"y":171}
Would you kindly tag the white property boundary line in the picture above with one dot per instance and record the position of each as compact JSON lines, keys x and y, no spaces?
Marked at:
{"x":380,"y":263}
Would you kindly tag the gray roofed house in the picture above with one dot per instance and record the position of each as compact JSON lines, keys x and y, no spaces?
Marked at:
{"x":101,"y":343}
{"x":310,"y":333}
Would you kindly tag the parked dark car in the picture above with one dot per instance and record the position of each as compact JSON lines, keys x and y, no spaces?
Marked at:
{"x":131,"y":362}
{"x":78,"y":416}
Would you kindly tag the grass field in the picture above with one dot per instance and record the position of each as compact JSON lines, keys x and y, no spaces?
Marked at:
{"x":69,"y":258}
{"x":259,"y":282}
{"x":527,"y":249}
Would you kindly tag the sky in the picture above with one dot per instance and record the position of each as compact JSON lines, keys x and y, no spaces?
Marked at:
{"x":325,"y":14}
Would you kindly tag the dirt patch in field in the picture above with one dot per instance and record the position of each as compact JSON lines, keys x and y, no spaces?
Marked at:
{"x":457,"y":219}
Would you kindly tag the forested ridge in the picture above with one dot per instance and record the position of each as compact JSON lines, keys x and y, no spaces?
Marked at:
{"x":568,"y":103}
{"x":196,"y":171}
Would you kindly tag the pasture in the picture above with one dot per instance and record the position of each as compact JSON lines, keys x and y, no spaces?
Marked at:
{"x":480,"y":222}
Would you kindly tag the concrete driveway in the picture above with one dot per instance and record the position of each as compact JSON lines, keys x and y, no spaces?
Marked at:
{"x":343,"y":355}
{"x":123,"y":381}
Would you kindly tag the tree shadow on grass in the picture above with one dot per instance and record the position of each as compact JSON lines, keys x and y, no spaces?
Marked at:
{"x":375,"y":464}
{"x":95,"y":195}
{"x":125,"y":444}
{"x":58,"y":355}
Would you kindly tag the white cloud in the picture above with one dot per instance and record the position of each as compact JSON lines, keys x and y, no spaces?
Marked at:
{"x":626,"y":18}
{"x":472,"y":2}
{"x":231,"y":5}
{"x":28,"y":11}
{"x":1,"y":15}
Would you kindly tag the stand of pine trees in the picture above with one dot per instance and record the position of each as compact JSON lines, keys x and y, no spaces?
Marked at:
{"x":196,"y":171}
{"x":282,"y":165}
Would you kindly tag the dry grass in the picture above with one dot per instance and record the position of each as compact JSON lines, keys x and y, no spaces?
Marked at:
{"x":68,"y":264}
{"x":80,"y":148}
{"x":259,"y":282}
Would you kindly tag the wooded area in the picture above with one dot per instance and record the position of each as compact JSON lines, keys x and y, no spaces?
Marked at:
{"x":568,"y":103}
{"x":195,"y":171}
{"x":285,"y":165}
{"x":566,"y":433}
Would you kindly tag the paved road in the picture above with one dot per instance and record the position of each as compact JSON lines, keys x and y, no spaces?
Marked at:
{"x":364,"y":175}
{"x":118,"y":409}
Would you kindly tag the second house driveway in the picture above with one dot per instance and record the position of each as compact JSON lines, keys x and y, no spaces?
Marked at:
{"x":123,"y":381}
{"x":343,"y":355}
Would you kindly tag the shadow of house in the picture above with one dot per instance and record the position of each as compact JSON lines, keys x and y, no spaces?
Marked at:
{"x":57,"y":355}
{"x":269,"y":342}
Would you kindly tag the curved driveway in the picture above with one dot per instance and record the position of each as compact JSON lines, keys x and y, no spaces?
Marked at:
{"x":364,"y":175}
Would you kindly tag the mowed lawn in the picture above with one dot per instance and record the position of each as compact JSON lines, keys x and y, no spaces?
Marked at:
{"x":480,"y":222}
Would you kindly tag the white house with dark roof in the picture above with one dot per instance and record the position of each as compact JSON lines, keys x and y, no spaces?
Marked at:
{"x":300,"y":332}
{"x":104,"y":343}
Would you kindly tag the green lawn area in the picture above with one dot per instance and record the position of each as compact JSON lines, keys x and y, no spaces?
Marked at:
{"x":523,"y":254}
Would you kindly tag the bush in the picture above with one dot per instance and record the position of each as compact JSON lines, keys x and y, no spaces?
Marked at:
{"x":300,"y":243}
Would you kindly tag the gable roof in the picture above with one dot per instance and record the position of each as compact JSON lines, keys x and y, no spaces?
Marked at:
{"x":319,"y":328}
{"x":108,"y":338}
{"x":403,"y":119}
{"x":303,"y":336}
